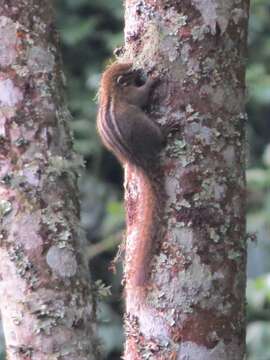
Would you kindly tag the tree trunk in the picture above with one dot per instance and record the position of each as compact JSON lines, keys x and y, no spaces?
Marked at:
{"x":194,"y":304}
{"x":45,"y":294}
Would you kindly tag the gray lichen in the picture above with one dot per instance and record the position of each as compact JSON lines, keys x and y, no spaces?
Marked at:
{"x":40,"y":60}
{"x":62,"y":261}
{"x":9,"y":94}
{"x":215,"y":12}
{"x":8,"y":39}
{"x":24,"y":267}
{"x":221,"y":351}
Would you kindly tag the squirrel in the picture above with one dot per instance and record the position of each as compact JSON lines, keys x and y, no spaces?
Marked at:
{"x":136,"y":140}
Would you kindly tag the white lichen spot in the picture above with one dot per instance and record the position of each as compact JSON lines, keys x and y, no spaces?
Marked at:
{"x":238,"y":14}
{"x":171,"y":187}
{"x":17,"y":317}
{"x":7,"y":41}
{"x":213,"y":189}
{"x":234,"y":254}
{"x":21,"y":70}
{"x":215,"y":12}
{"x":2,"y":127}
{"x":152,"y":325}
{"x":10,"y":95}
{"x":26,"y":232}
{"x":62,"y":261}
{"x":189,"y":109}
{"x":193,"y":69}
{"x":176,"y":148}
{"x":169,"y":47}
{"x":203,"y":133}
{"x":219,"y":191}
{"x":5,"y":207}
{"x":229,"y":155}
{"x":175,"y":19}
{"x":192,"y":351}
{"x":161,"y":35}
{"x":184,"y":237}
{"x":40,"y":60}
{"x":150,"y":42}
{"x":213,"y":235}
{"x":131,"y":25}
{"x":198,"y":32}
{"x":183,"y":203}
{"x":237,"y":206}
{"x":209,"y":65}
{"x":189,"y":288}
{"x":31,"y":173}
{"x":188,"y":160}
{"x":185,"y":53}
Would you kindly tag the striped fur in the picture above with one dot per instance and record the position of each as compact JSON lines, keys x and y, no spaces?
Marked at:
{"x":110,"y":133}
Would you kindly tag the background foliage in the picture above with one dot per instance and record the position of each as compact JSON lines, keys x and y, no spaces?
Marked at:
{"x":90,"y":30}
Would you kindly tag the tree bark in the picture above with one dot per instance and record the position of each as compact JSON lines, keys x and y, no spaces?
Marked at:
{"x":194,"y":306}
{"x":45,"y":295}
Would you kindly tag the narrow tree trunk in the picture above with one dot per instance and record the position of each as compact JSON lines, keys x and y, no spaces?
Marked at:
{"x":45,"y":295}
{"x":194,"y":307}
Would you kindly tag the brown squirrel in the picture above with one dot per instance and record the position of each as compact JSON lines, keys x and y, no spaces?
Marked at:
{"x":136,"y":141}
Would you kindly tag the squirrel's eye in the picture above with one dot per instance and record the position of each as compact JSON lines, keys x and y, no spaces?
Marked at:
{"x":121,"y":80}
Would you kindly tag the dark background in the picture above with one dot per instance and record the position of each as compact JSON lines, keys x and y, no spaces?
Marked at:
{"x":90,"y":30}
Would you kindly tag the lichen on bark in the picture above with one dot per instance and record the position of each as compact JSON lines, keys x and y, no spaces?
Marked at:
{"x":46,"y":300}
{"x":195,"y":303}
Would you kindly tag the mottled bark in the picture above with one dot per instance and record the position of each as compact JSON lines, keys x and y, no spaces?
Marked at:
{"x":45,"y":294}
{"x":195,"y":303}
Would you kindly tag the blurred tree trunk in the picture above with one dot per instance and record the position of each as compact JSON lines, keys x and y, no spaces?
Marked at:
{"x":45,"y":294}
{"x":195,"y":302}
